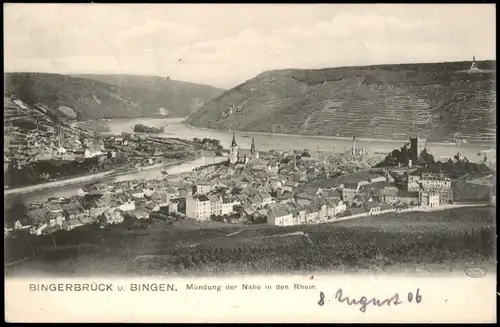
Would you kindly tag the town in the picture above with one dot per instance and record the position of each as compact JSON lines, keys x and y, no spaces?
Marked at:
{"x":39,"y":149}
{"x":279,"y":187}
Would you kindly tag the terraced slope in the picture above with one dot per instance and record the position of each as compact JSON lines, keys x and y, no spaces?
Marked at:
{"x":442,"y":101}
{"x":88,"y":98}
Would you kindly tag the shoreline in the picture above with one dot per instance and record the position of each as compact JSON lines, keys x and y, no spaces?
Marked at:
{"x":182,"y":121}
{"x":57,"y":183}
{"x":85,"y":178}
{"x":340,"y":138}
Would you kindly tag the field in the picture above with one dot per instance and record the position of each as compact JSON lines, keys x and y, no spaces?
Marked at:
{"x":413,"y":241}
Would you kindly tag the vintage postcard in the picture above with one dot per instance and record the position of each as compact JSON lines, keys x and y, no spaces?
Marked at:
{"x":250,"y":163}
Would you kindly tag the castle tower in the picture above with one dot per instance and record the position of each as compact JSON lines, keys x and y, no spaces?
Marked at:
{"x":233,"y":153}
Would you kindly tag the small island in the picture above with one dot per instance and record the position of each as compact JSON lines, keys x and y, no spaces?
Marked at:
{"x":145,"y":129}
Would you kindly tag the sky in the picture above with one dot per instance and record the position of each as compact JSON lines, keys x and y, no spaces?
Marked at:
{"x":226,"y":44}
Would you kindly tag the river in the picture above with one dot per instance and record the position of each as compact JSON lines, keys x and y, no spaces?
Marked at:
{"x":263,"y":141}
{"x":266,"y":142}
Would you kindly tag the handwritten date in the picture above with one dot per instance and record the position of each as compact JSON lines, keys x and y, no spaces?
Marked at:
{"x":363,"y":302}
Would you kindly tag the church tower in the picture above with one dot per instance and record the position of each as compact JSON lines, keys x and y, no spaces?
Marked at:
{"x":253,"y":150}
{"x":233,"y":153}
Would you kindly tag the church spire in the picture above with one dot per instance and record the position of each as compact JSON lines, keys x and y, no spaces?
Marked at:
{"x":234,"y":141}
{"x":252,"y":149}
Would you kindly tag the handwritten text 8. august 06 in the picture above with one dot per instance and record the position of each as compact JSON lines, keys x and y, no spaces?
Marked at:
{"x":363,"y":302}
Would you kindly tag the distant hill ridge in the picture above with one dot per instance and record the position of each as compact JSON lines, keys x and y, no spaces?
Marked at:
{"x":109,"y":96}
{"x":440,"y":101}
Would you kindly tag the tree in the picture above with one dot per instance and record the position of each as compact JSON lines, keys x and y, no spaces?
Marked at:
{"x":109,"y":155}
{"x":426,"y":158}
{"x":16,"y":211}
{"x":305,"y":154}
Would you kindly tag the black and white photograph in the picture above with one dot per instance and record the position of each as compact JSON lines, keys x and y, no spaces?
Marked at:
{"x":213,"y":140}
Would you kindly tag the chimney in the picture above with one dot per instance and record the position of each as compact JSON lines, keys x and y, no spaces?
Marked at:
{"x":354,"y":145}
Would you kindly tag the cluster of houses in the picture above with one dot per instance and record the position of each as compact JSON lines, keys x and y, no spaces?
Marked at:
{"x":45,"y":143}
{"x":104,"y":204}
{"x":250,"y":186}
{"x":285,"y":194}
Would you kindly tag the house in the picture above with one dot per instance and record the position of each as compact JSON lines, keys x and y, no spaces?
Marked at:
{"x":493,"y":195}
{"x":173,"y":205}
{"x":261,"y":199}
{"x":299,"y":215}
{"x":335,"y":207}
{"x":303,"y":202}
{"x":435,"y":181}
{"x":289,"y":186}
{"x":285,"y":197}
{"x":38,"y":229}
{"x":376,"y":178}
{"x":88,"y":220}
{"x":127,"y":205}
{"x":22,"y":224}
{"x":322,"y":211}
{"x":279,"y":216}
{"x":138,"y":214}
{"x":332,"y":194}
{"x":215,"y":204}
{"x":312,"y":215}
{"x":203,"y":187}
{"x":373,"y":209}
{"x":348,"y":191}
{"x":148,"y":192}
{"x":83,"y":191}
{"x":72,"y":224}
{"x":150,"y":206}
{"x":56,"y":219}
{"x":93,"y":151}
{"x":428,"y":199}
{"x":54,"y":208}
{"x":413,"y":184}
{"x":137,"y":194}
{"x":401,"y":196}
{"x":111,"y":217}
{"x":445,"y":195}
{"x":248,"y":210}
{"x":228,"y":204}
{"x":198,"y":207}
{"x":184,"y":192}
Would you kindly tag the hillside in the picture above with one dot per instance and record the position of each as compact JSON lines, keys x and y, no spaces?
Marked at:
{"x":442,"y":101}
{"x":108,"y":96}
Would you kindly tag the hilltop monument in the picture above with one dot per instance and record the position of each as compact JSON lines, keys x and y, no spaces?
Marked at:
{"x":473,"y":66}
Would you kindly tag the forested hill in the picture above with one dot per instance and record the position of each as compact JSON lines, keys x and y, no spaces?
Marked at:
{"x":108,"y":96}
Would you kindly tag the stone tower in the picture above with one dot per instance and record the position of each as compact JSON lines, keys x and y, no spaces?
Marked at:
{"x":253,"y":150}
{"x":233,"y":153}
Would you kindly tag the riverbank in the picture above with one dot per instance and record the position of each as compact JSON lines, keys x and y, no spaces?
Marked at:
{"x":87,"y":178}
{"x":339,"y":138}
{"x":58,"y":183}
